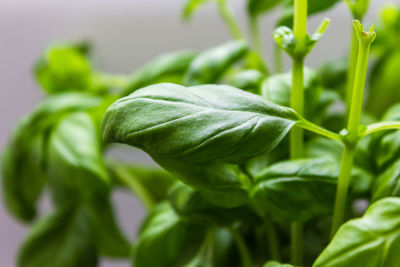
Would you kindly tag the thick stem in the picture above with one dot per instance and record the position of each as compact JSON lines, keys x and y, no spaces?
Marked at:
{"x":358,"y":91}
{"x":300,"y":23}
{"x":365,"y":40}
{"x":342,"y":188}
{"x":229,"y":19}
{"x":351,"y":69}
{"x":297,"y":103}
{"x":297,"y":243}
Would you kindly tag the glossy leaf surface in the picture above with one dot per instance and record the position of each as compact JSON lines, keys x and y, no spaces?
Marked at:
{"x":296,"y":190}
{"x":370,"y":241}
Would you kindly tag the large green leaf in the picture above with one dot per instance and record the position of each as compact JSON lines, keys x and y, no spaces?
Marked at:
{"x":63,"y":68}
{"x":164,"y":68}
{"x":61,"y":239}
{"x":210,"y":65}
{"x":197,"y":124}
{"x":23,"y":179}
{"x":370,"y":241}
{"x":74,"y":158}
{"x":296,"y":190}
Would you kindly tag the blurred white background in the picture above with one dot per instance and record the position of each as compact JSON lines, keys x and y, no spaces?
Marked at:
{"x":125,"y":34}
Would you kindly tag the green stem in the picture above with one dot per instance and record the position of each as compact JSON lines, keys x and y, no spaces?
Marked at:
{"x":351,"y":69}
{"x":381,"y":126}
{"x":255,"y":36}
{"x":307,"y":125}
{"x":273,"y":240}
{"x":297,"y":243}
{"x":229,"y":19}
{"x":353,"y":126}
{"x":342,"y":188}
{"x":297,"y":103}
{"x":243,"y":249}
{"x":278,"y":59}
{"x":135,"y":186}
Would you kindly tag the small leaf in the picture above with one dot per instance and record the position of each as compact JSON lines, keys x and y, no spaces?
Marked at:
{"x":209,"y":66}
{"x":164,"y":68}
{"x":61,"y":239}
{"x":369,"y":241}
{"x":296,"y":190}
{"x":190,"y":203}
{"x":257,"y":7}
{"x":63,"y":68}
{"x":197,"y":124}
{"x":74,"y":158}
{"x":333,"y":74}
{"x":248,"y":80}
{"x":191,"y":6}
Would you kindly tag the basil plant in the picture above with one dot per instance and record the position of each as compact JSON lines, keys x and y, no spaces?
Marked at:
{"x":258,"y":165}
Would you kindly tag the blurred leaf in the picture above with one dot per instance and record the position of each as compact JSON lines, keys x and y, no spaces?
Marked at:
{"x":164,"y":68}
{"x":257,"y":7}
{"x":61,"y":239}
{"x":74,"y":159}
{"x":248,"y":80}
{"x":63,"y":68}
{"x":209,"y":66}
{"x":191,"y":6}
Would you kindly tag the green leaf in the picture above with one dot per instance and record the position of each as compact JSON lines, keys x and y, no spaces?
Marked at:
{"x":387,"y":184}
{"x":191,"y":6}
{"x":23,"y":179}
{"x":369,"y":241}
{"x":248,"y":80}
{"x":164,"y":68}
{"x":74,"y":158}
{"x":221,"y":184}
{"x":107,"y":236}
{"x":333,"y":74}
{"x":63,"y":68}
{"x":296,"y":190}
{"x":189,"y":202}
{"x":166,"y":239}
{"x":358,"y":8}
{"x":277,"y":88}
{"x":197,"y":124}
{"x":257,"y":7}
{"x":276,"y":264}
{"x":149,"y":184}
{"x":210,"y":65}
{"x":23,"y":176}
{"x":384,"y":83}
{"x":61,"y":239}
